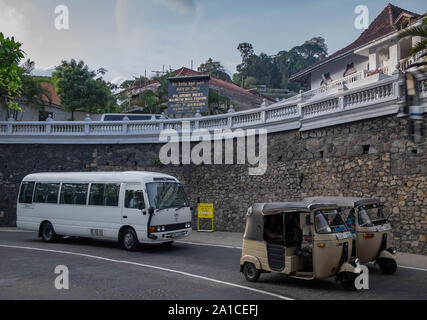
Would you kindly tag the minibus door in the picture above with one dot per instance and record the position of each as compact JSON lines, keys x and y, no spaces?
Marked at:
{"x":134,"y":212}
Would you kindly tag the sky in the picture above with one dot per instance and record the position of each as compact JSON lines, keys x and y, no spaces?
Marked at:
{"x":131,"y":37}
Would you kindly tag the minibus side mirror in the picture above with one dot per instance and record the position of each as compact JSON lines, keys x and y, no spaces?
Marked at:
{"x":141,"y":206}
{"x":151,"y":210}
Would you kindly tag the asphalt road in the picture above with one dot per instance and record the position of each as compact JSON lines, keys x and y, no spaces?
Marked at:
{"x":102,"y":270}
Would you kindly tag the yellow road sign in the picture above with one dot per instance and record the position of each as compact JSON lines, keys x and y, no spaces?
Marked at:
{"x":204,"y":211}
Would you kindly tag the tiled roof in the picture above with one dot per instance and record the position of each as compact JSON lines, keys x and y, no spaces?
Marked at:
{"x":381,"y":26}
{"x":54,"y":98}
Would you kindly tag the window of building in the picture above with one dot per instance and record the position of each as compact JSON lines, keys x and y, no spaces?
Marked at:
{"x":26,"y":194}
{"x":46,"y":193}
{"x":349,"y":69}
{"x":74,"y":193}
{"x":326,"y":79}
{"x":104,"y":195}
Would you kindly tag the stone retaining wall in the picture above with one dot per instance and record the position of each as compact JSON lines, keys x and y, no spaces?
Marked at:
{"x":371,"y":158}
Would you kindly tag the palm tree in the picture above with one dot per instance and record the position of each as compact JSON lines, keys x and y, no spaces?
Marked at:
{"x":150,"y":102}
{"x":419,"y":31}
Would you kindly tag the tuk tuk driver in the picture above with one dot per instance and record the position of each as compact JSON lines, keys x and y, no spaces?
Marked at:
{"x":351,"y":221}
{"x":272,"y":229}
{"x":307,"y":235}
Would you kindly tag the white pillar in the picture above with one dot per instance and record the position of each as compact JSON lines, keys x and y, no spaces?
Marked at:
{"x":394,"y":51}
{"x":373,"y":61}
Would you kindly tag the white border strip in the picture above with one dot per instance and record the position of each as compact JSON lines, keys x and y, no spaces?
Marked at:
{"x":152,"y":267}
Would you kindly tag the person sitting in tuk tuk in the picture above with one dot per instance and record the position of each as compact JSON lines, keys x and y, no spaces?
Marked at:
{"x":307,"y":243}
{"x":272,"y":228}
{"x":351,"y":222}
{"x":293,"y":232}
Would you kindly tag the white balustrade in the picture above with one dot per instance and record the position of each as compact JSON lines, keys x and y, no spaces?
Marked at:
{"x":283,"y":115}
{"x":320,"y":108}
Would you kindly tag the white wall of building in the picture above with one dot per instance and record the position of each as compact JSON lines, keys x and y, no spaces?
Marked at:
{"x":337,"y":68}
{"x":31,"y":113}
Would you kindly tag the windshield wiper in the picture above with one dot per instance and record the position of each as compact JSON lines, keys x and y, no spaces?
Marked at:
{"x":180,"y":207}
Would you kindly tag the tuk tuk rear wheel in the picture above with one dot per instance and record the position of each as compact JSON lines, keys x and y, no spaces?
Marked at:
{"x":387,"y":266}
{"x":251,"y":272}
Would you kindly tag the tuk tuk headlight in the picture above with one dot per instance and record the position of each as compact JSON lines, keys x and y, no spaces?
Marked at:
{"x":354,"y":261}
{"x":392,"y":250}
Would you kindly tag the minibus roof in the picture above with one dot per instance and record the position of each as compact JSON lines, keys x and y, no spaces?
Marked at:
{"x":343,"y":201}
{"x":128,"y":177}
{"x":279,"y":207}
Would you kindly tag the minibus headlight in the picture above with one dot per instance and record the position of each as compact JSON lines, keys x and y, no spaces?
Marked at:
{"x":159,"y":229}
{"x":163,"y":228}
{"x":188,"y":225}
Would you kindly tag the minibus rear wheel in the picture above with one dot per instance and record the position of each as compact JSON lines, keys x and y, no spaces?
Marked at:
{"x":48,"y":234}
{"x":129,"y":240}
{"x":251,"y":272}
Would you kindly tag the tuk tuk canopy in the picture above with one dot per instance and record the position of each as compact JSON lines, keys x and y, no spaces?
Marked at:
{"x":348,"y":202}
{"x":255,"y":215}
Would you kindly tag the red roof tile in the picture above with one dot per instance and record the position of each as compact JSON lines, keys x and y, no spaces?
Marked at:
{"x":54,"y":98}
{"x":381,"y":26}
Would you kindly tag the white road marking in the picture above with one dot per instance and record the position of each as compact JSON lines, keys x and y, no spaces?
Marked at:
{"x":152,"y":267}
{"x":413,"y":268}
{"x":209,"y":244}
{"x":404,"y":267}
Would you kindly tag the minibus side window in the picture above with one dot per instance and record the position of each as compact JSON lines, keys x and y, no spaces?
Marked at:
{"x":134,"y":199}
{"x":74,"y":193}
{"x":46,"y":193}
{"x":104,"y":195}
{"x":26,"y":194}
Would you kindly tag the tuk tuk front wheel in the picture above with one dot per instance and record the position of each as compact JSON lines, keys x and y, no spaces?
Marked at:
{"x":347,"y":280}
{"x":251,"y":272}
{"x":387,"y":266}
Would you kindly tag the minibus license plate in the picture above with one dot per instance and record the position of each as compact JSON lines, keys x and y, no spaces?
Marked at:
{"x":178,"y":234}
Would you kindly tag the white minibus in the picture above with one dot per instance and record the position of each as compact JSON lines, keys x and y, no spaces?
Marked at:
{"x":131,"y":207}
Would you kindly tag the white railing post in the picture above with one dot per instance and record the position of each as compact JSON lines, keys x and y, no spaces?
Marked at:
{"x":87,"y":129}
{"x":10,"y":125}
{"x":263,"y":116}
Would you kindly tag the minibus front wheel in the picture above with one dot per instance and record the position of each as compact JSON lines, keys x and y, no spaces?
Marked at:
{"x":47,"y":232}
{"x":129,"y":240}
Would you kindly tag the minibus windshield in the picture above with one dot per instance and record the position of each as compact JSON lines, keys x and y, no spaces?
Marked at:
{"x":163,"y":195}
{"x":329,"y":221}
{"x":370,"y":215}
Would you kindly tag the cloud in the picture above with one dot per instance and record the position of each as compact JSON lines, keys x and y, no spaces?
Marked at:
{"x":184,"y":6}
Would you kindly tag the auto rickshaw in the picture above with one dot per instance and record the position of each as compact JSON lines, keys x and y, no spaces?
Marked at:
{"x":370,"y":228}
{"x":274,"y":241}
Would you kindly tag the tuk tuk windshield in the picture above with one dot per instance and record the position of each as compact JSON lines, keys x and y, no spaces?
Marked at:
{"x":329,"y":221}
{"x":371,"y":215}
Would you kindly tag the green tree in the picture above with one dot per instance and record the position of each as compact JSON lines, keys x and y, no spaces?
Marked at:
{"x":79,"y":88}
{"x":215,"y":69}
{"x":10,"y":72}
{"x":150,"y":102}
{"x":32,"y":91}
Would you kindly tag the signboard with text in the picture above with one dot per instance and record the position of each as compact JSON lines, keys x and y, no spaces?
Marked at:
{"x":188,"y":94}
{"x":204,"y":211}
